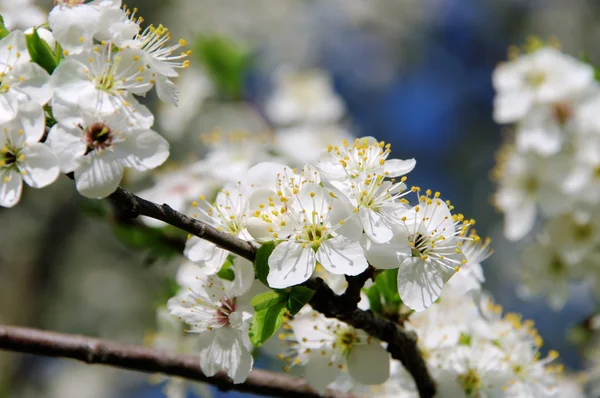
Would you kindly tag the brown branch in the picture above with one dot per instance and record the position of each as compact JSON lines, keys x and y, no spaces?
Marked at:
{"x":402,"y":345}
{"x":97,"y":351}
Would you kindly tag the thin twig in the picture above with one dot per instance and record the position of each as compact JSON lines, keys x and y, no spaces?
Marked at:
{"x":97,"y":351}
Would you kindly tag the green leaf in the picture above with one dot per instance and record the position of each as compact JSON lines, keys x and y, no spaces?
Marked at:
{"x":298,"y":297}
{"x":374,"y":299}
{"x":3,"y":31}
{"x":266,"y":322}
{"x":261,"y":262}
{"x":226,"y":272}
{"x":268,"y":299}
{"x":387,"y":285}
{"x":225,"y":61}
{"x":40,"y":52}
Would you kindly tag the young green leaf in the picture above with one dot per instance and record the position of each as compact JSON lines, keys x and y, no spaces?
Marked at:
{"x":268,"y":299}
{"x":374,"y":299}
{"x":298,"y":297}
{"x":40,"y":51}
{"x":226,"y":272}
{"x":387,"y":285}
{"x":266,"y":322}
{"x":225,"y":61}
{"x":3,"y":31}
{"x":261,"y":262}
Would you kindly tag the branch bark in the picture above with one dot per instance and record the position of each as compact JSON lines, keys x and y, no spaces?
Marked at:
{"x":97,"y":351}
{"x":402,"y":345}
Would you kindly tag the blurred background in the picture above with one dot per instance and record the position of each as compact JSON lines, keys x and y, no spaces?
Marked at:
{"x":415,"y":73}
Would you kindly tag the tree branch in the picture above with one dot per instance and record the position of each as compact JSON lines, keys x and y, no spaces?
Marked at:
{"x":97,"y":351}
{"x":402,"y":345}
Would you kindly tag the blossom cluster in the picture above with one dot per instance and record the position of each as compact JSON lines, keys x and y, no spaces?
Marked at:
{"x":79,"y":113}
{"x":549,"y":171}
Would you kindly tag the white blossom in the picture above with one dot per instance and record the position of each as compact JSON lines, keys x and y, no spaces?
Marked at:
{"x":22,"y":157}
{"x":544,"y":76}
{"x":20,"y":80}
{"x":220,"y":312}
{"x":328,"y":346}
{"x":97,"y":148}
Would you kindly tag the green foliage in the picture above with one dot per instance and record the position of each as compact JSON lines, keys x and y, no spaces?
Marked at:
{"x":225,"y":61}
{"x":270,"y":310}
{"x":261,"y":262}
{"x":40,"y":52}
{"x":374,"y":299}
{"x":3,"y":31}
{"x":383,"y":294}
{"x":146,"y":238}
{"x":298,"y":297}
{"x":226,"y":271}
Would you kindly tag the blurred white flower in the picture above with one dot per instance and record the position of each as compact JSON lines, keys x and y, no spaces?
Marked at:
{"x":303,"y":97}
{"x":544,"y":76}
{"x":21,"y":14}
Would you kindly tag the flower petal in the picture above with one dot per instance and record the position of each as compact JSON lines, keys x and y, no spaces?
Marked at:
{"x":143,"y":150}
{"x":320,"y":370}
{"x":398,"y":167}
{"x":98,"y":175}
{"x":223,"y":349}
{"x":342,"y":256}
{"x":369,"y":363}
{"x":207,"y":255}
{"x":11,"y":186}
{"x":419,"y":283}
{"x":290,"y":264}
{"x":374,"y":226}
{"x":40,"y":166}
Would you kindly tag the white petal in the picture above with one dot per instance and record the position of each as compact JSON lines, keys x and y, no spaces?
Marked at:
{"x":387,"y":255}
{"x":9,"y":106}
{"x":342,"y":256}
{"x":513,"y":106}
{"x":98,"y":175}
{"x":167,"y":91}
{"x":11,"y":186}
{"x":264,"y":174}
{"x":374,"y":226}
{"x":207,"y":255}
{"x":143,"y":150}
{"x":223,"y":349}
{"x":32,"y":120}
{"x":11,"y":44}
{"x":244,"y":277}
{"x":398,"y":167}
{"x":67,"y":143}
{"x":519,"y":220}
{"x":320,"y":370}
{"x":40,"y":166}
{"x":290,"y":265}
{"x":369,"y":363}
{"x":419,"y":283}
{"x":33,"y":80}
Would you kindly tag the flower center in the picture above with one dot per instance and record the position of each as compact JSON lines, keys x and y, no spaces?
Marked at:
{"x":346,"y":340}
{"x":223,"y":312}
{"x":8,"y":156}
{"x":470,"y":382}
{"x":419,"y":246}
{"x":556,"y":265}
{"x":562,"y":112}
{"x":98,"y":136}
{"x":535,"y":78}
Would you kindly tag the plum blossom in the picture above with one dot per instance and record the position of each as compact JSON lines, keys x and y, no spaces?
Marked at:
{"x":220,"y":312}
{"x":97,"y":148}
{"x":20,"y":80}
{"x":102,"y":81}
{"x":328,"y":346}
{"x":323,"y":232}
{"x":543,"y":76}
{"x":228,"y":214}
{"x":22,"y":157}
